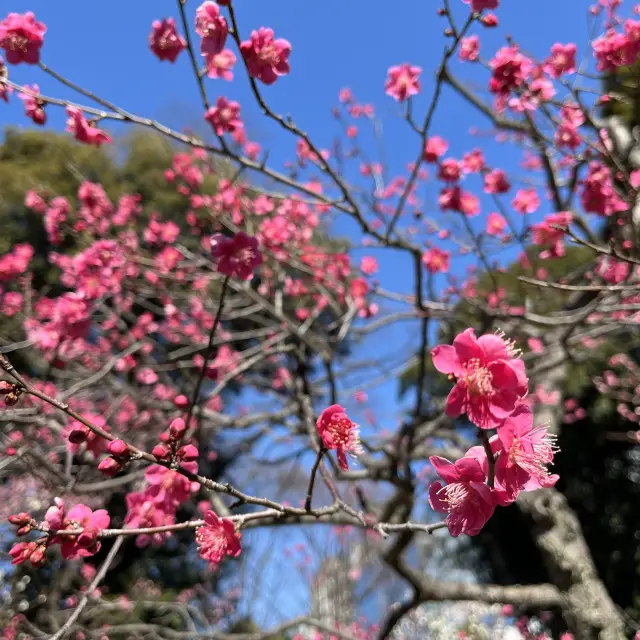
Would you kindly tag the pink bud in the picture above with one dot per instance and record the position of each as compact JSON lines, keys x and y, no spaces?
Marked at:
{"x":78,"y":436}
{"x":181,"y":401}
{"x":23,"y":531}
{"x":118,"y":447}
{"x":109,"y":466}
{"x":5,"y":387}
{"x":177,"y":428}
{"x":188,"y":453}
{"x":19,"y":519}
{"x":37,"y":557}
{"x":161,"y":451}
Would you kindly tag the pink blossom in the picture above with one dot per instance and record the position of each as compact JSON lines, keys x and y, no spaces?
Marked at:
{"x":403,"y":82}
{"x":449,"y":170}
{"x":562,"y":60}
{"x":526,"y":452}
{"x":33,"y":106}
{"x":165,"y":41}
{"x":510,"y":70}
{"x":221,"y":64}
{"x":169,"y":488}
{"x":611,"y":270}
{"x":224,"y":117}
{"x":236,"y":257}
{"x":465,"y":498}
{"x":496,"y":182}
{"x":473,"y":161}
{"x":436,"y":260}
{"x":217,"y":538}
{"x":339,"y":433}
{"x":480,"y":5}
{"x":496,"y":224}
{"x":598,"y":195}
{"x":87,"y":543}
{"x":526,"y":201}
{"x":212,"y":28}
{"x":434,"y":148}
{"x":267,"y":58}
{"x":490,"y":377}
{"x":547,"y":233}
{"x":22,"y":37}
{"x":469,"y":49}
{"x":368,"y":265}
{"x":78,"y":125}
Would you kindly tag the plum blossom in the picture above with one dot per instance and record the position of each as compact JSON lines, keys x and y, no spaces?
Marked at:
{"x":436,"y":260}
{"x":339,"y":433}
{"x":469,"y":49}
{"x":224,"y":117}
{"x":465,"y":498}
{"x":490,"y":378}
{"x":266,"y":57}
{"x":403,"y":81}
{"x":212,"y":28}
{"x":33,"y":106}
{"x":496,"y":224}
{"x":524,"y":455}
{"x":236,"y":257}
{"x":220,"y":65}
{"x":562,"y":60}
{"x":79,"y":126}
{"x":480,"y":5}
{"x":434,"y":148}
{"x":217,"y":538}
{"x":22,"y":37}
{"x":165,"y":41}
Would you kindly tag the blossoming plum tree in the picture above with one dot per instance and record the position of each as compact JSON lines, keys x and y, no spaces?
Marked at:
{"x":153,"y":320}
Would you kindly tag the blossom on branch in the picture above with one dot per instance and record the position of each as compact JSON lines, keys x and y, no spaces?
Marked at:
{"x":266,"y":57}
{"x":403,"y":82}
{"x":22,"y":37}
{"x":165,"y":41}
{"x":490,"y":378}
{"x":83,"y":131}
{"x":236,"y":257}
{"x":465,"y":498}
{"x":217,"y":538}
{"x":212,"y":28}
{"x":339,"y":433}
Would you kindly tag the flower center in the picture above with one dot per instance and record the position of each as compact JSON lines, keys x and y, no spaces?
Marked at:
{"x":455,"y":495}
{"x":269,"y":55}
{"x":479,"y":379}
{"x":17,"y":42}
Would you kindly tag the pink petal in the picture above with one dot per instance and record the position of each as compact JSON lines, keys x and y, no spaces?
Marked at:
{"x":456,"y":400}
{"x":470,"y":469}
{"x":504,"y":376}
{"x":467,"y":347}
{"x":445,"y":360}
{"x":436,"y":502}
{"x":445,"y":469}
{"x":494,"y":347}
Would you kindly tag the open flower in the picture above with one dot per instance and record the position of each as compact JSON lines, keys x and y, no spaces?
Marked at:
{"x":165,"y":41}
{"x":237,"y":257}
{"x":491,"y":380}
{"x":465,"y":498}
{"x":267,"y":57}
{"x":21,"y":37}
{"x":340,"y":433}
{"x":217,"y":538}
{"x":526,"y":452}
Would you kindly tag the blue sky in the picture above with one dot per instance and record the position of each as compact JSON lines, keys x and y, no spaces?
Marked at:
{"x":335,"y":44}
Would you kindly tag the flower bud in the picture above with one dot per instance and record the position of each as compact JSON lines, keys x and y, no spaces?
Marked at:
{"x":24,"y":530}
{"x":118,"y":448}
{"x":161,"y":451}
{"x":177,"y":428}
{"x":188,"y":453}
{"x":78,"y":436}
{"x":181,"y":401}
{"x":6,"y":387}
{"x":19,"y":519}
{"x":109,"y":466}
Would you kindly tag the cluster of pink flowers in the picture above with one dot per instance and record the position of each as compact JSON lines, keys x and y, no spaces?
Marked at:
{"x":614,"y":49}
{"x":88,"y":523}
{"x":491,"y":385}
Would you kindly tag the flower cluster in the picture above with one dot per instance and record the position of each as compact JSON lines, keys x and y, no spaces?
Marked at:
{"x":491,"y":385}
{"x":87,"y":524}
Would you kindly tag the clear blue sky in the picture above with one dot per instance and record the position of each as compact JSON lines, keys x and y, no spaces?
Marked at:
{"x":104,"y":47}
